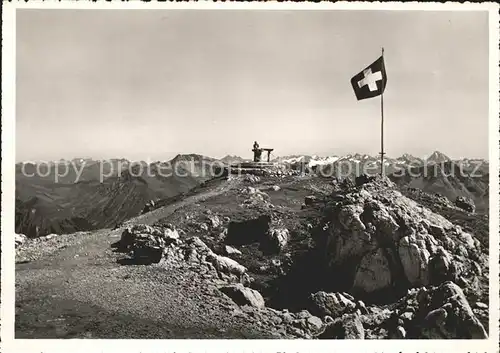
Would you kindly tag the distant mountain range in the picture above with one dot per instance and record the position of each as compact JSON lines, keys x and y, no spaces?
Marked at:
{"x":404,"y":160}
{"x":81,"y":194}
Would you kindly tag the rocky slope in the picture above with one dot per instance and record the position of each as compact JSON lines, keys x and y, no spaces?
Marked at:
{"x":282,"y":257}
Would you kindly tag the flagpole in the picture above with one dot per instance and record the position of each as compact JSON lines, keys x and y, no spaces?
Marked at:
{"x":382,"y":127}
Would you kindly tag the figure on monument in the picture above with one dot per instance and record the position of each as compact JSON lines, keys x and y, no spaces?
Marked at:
{"x":257,"y":152}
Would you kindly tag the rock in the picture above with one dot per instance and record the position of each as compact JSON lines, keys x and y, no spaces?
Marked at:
{"x":142,"y":234}
{"x":415,"y":260}
{"x":287,"y":318}
{"x":373,"y":273}
{"x":310,"y":200}
{"x":400,"y":332}
{"x":278,"y":239}
{"x":147,"y":243}
{"x":363,"y":179}
{"x":346,"y":327}
{"x":465,"y":203}
{"x":314,"y":324}
{"x":445,"y":313}
{"x":222,"y":235}
{"x":229,"y":250}
{"x":197,"y":243}
{"x":226,"y":265}
{"x":328,"y":319}
{"x":378,"y":240}
{"x":275,"y":188}
{"x":243,"y":295}
{"x":303,"y":314}
{"x":331,"y":304}
{"x":407,"y":316}
{"x":149,"y":206}
{"x":480,"y":305}
{"x":440,"y":267}
{"x":20,"y":239}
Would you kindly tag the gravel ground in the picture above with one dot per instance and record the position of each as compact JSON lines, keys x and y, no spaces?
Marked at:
{"x":73,"y":287}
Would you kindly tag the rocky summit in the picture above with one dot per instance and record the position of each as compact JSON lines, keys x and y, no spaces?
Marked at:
{"x":266,"y":256}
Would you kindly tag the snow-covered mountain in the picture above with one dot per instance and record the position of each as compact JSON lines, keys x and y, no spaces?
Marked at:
{"x":437,"y":157}
{"x":233,"y":159}
{"x":403,"y":161}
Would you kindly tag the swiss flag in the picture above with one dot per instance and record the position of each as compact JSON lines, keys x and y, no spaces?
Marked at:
{"x":371,"y":81}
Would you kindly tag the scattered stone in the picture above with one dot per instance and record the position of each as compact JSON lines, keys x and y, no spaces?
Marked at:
{"x":20,"y":239}
{"x":443,"y":312}
{"x":380,"y":227}
{"x":465,"y":203}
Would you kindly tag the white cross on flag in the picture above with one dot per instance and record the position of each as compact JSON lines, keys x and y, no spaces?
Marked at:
{"x":371,"y":81}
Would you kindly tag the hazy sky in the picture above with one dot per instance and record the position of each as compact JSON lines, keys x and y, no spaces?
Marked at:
{"x":150,"y":84}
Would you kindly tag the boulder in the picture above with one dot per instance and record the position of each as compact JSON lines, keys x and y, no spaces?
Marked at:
{"x":242,"y":295}
{"x":330,"y":304}
{"x":415,"y":259}
{"x":373,"y":273}
{"x":348,"y":326}
{"x":363,"y":179}
{"x":378,"y":240}
{"x":226,"y":265}
{"x":147,"y":243}
{"x":310,"y":200}
{"x":444,"y":312}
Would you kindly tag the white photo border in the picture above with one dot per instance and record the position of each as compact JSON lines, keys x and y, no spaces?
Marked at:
{"x":9,"y":344}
